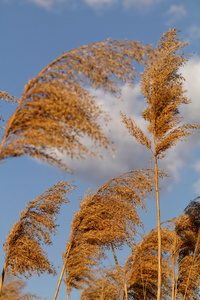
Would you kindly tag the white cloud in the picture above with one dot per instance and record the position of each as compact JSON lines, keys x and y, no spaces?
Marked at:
{"x":102,"y":4}
{"x":191,"y":72}
{"x":140,"y":3}
{"x":47,"y":4}
{"x":197,"y":166}
{"x":129,"y":154}
{"x":176,"y":13}
{"x":95,"y":4}
{"x":197,"y":183}
{"x":197,"y":187}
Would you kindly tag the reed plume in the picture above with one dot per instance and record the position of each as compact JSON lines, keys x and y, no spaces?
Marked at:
{"x":79,"y":268}
{"x":107,"y":219}
{"x":141,"y":267}
{"x":12,"y":290}
{"x":104,"y":286}
{"x":181,"y":238}
{"x":187,"y":232}
{"x":56,"y":110}
{"x":8,"y":98}
{"x":23,"y":246}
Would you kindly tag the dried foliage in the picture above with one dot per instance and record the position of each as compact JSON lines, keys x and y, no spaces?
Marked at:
{"x":7,"y":97}
{"x":187,"y":231}
{"x":110,"y":215}
{"x":182,"y":237}
{"x":135,"y":131}
{"x":105,"y":286}
{"x":56,"y":110}
{"x":180,"y":255}
{"x":142,"y":268}
{"x":12,"y":290}
{"x":83,"y":257}
{"x":23,"y":246}
{"x":107,"y":218}
{"x":163,"y":88}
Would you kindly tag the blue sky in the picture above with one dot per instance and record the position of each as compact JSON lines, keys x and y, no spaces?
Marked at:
{"x":34,"y":33}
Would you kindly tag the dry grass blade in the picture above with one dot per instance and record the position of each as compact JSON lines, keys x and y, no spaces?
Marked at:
{"x":12,"y":290}
{"x":110,"y":215}
{"x":135,"y":131}
{"x":56,"y":110}
{"x":82,"y":259}
{"x":142,"y":267}
{"x":163,"y":88}
{"x":188,"y":258}
{"x":105,"y":286}
{"x":7,"y":97}
{"x":107,"y":218}
{"x":23,"y":246}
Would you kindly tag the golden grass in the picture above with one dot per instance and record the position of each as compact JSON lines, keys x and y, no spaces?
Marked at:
{"x":108,"y":218}
{"x":56,"y":110}
{"x":23,"y":246}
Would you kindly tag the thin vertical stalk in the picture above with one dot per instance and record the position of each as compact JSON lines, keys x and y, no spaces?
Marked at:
{"x":119,"y":273}
{"x":176,"y":284}
{"x":63,"y":269}
{"x":193,"y":260}
{"x":158,"y":222}
{"x":2,"y":277}
{"x":173,"y":267}
{"x":159,"y":233}
{"x":143,"y":287}
{"x":68,"y":293}
{"x":68,"y":289}
{"x":126,"y":292}
{"x":173,"y":277}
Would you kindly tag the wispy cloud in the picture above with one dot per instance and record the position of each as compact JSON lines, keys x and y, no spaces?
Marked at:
{"x":98,"y":4}
{"x":103,"y":4}
{"x":140,"y":3}
{"x":129,"y":154}
{"x":197,"y":183}
{"x":175,"y":13}
{"x":47,"y":4}
{"x":192,"y":74}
